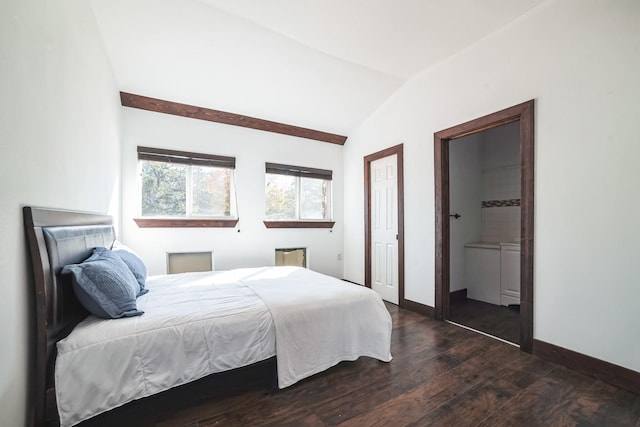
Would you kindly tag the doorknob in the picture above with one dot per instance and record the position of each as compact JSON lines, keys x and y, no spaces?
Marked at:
{"x":456,"y":216}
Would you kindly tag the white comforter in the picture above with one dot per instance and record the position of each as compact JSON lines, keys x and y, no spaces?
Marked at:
{"x":196,"y":324}
{"x":320,"y":321}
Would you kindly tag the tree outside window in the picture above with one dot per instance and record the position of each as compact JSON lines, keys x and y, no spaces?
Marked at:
{"x":297,"y":193}
{"x":178,"y":184}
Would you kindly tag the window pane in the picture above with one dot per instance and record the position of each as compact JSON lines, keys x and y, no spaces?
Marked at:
{"x":163,"y":189}
{"x":211,"y":194}
{"x":313,"y":198}
{"x":280,"y":195}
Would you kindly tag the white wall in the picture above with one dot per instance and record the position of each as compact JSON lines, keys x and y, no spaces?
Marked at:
{"x":59,"y":132}
{"x":465,"y":186}
{"x":254,"y":245}
{"x":501,"y":181}
{"x":483,"y":166}
{"x":580,"y":61}
{"x":501,"y":146}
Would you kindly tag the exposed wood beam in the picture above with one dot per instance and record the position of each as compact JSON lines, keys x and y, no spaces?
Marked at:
{"x":201,"y":113}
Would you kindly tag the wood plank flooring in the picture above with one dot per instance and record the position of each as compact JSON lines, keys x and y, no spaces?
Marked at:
{"x":499,"y":321}
{"x":441,"y":375}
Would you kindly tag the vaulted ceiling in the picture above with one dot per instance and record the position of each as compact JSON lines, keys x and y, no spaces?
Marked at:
{"x":321,"y":64}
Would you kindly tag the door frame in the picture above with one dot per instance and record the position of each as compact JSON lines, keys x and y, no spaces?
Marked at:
{"x":398,"y":151}
{"x":524,"y":113}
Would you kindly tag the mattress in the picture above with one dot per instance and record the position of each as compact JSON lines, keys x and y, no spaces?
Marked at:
{"x":196,"y":324}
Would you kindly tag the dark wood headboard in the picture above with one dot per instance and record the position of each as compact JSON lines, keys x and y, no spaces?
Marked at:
{"x":57,"y":238}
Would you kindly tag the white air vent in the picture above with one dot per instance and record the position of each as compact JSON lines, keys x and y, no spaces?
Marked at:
{"x":292,"y":256}
{"x":182,"y":262}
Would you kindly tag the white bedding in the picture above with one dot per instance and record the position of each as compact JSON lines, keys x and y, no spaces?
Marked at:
{"x":196,"y":324}
{"x":320,"y":321}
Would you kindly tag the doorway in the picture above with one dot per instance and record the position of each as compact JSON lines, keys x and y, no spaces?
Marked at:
{"x":384,"y":223}
{"x":524,"y":115}
{"x":484,"y":225}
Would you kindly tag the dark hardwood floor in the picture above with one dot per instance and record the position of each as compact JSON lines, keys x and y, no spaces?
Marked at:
{"x":499,"y":321}
{"x":441,"y":375}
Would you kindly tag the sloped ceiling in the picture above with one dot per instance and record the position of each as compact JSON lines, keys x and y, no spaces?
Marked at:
{"x":325,"y":65}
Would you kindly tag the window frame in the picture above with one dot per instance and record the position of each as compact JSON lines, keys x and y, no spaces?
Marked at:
{"x":301,"y":172}
{"x":190,"y":159}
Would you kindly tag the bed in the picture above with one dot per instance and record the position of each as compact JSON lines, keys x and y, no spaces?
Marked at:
{"x":194,"y":325}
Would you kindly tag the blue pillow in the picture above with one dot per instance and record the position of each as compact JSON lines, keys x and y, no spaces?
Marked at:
{"x":136,"y":266}
{"x":104,"y":285}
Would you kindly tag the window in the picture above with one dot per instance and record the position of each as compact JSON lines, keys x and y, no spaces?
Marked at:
{"x":185,"y":189}
{"x":297,"y":194}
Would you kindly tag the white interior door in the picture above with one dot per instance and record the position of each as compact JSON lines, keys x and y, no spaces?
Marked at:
{"x":384,"y":228}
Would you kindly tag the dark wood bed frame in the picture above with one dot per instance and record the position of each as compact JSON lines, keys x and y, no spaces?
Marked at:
{"x":57,"y":238}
